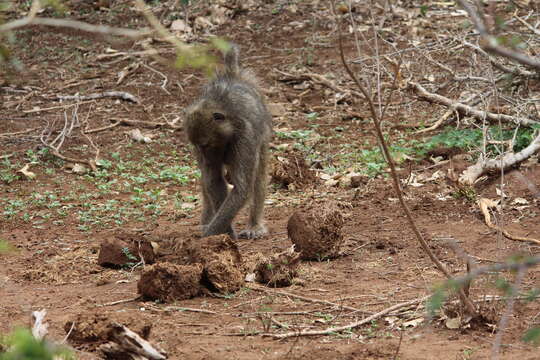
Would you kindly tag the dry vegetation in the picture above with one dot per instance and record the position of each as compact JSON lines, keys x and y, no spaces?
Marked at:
{"x":98,"y":182}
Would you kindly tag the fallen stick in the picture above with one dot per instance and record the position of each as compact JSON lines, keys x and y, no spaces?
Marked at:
{"x":141,"y":123}
{"x":473,"y":172}
{"x":485,"y":205}
{"x":348,"y":326}
{"x":55,"y":107}
{"x":123,"y":301}
{"x":18,"y":132}
{"x":177,"y":308}
{"x":113,"y":94}
{"x":469,"y":110}
{"x":284,"y":293}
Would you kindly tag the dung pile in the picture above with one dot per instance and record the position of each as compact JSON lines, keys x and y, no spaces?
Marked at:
{"x":316,"y":231}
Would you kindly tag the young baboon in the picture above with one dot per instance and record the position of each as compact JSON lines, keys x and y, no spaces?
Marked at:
{"x":230,"y":127}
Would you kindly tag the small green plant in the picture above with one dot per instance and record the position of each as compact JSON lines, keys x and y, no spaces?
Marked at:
{"x":22,"y":345}
{"x":465,"y":192}
{"x":5,"y":247}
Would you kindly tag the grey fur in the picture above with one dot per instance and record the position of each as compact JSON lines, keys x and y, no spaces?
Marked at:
{"x":230,"y":128}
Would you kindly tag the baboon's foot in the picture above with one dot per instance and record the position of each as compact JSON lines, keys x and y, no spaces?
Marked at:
{"x":254,"y":232}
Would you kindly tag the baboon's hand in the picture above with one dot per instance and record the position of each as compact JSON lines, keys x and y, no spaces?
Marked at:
{"x":255,"y":232}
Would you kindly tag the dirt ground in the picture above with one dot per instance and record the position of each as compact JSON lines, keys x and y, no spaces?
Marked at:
{"x":58,"y":219}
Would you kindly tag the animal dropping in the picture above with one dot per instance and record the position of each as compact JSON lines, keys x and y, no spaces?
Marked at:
{"x":230,"y":128}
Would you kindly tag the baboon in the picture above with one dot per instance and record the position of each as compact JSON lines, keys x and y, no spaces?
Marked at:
{"x":230,"y":128}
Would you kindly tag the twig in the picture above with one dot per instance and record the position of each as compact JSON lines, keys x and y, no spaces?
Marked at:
{"x":165,"y":78}
{"x":190,"y":309}
{"x":113,"y":94}
{"x":121,"y":301}
{"x":495,"y":350}
{"x":399,"y":345}
{"x":56,"y":107}
{"x":535,"y":31}
{"x":510,"y":266}
{"x":468,"y":110}
{"x":311,"y":300}
{"x":484,"y":205}
{"x":351,"y":325}
{"x":55,"y":145}
{"x":18,"y":132}
{"x":103,"y":128}
{"x":69,"y":333}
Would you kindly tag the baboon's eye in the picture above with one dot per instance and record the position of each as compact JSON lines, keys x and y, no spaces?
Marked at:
{"x":218,"y":117}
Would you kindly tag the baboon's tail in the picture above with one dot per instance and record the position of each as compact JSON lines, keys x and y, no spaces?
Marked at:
{"x":231,"y":60}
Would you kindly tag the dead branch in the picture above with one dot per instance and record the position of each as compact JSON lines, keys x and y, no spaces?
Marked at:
{"x":485,"y":205}
{"x":121,"y":301}
{"x":351,"y":325}
{"x":318,"y":79}
{"x":468,"y":110}
{"x":112,"y":94}
{"x":178,"y":308}
{"x":303,"y":298}
{"x":165,"y":78}
{"x":55,"y":145}
{"x":126,"y":344}
{"x":56,"y":107}
{"x":73,"y":24}
{"x":18,"y":132}
{"x":395,"y":180}
{"x":129,"y":69}
{"x":473,"y":172}
{"x":103,"y":128}
{"x":40,"y":328}
{"x":146,"y":124}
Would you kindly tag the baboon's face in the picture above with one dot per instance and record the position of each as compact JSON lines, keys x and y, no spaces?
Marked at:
{"x":208,"y":126}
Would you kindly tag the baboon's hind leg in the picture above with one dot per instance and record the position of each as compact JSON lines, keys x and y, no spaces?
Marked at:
{"x":256,"y":227}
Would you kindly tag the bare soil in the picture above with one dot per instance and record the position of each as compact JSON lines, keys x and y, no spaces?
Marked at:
{"x":58,"y":220}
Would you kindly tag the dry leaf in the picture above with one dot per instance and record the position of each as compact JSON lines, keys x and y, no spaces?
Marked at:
{"x":181,"y":26}
{"x":453,"y":323}
{"x":138,"y":136}
{"x":413,"y":322}
{"x":79,"y":169}
{"x":520,"y":201}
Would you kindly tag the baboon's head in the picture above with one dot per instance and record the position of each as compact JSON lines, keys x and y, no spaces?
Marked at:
{"x":208,"y":126}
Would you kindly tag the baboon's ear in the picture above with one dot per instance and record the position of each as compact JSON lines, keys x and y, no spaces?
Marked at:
{"x":218,"y":117}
